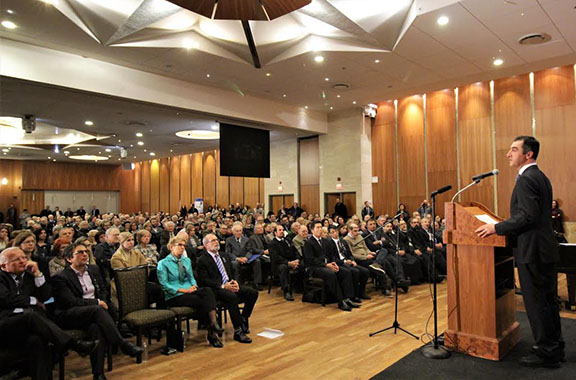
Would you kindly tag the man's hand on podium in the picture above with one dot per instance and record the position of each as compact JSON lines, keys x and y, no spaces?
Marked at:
{"x":486,"y":230}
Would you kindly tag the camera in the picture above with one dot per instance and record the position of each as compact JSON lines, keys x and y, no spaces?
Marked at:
{"x":29,"y":123}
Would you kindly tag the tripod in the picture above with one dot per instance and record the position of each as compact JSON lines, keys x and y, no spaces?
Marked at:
{"x":395,"y":324}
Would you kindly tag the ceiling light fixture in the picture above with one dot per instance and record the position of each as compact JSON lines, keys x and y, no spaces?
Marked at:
{"x":442,"y":20}
{"x":139,"y":134}
{"x":89,"y":123}
{"x":268,"y":74}
{"x":498,"y":62}
{"x":88,"y":157}
{"x":9,"y":24}
{"x":215,"y":127}
{"x":376,"y":61}
{"x":354,"y":102}
{"x":319,"y":59}
{"x":198,"y":134}
{"x":207,"y":75}
{"x":140,"y":143}
{"x":326,"y":79}
{"x":108,"y":150}
{"x":152,"y":154}
{"x":10,"y":11}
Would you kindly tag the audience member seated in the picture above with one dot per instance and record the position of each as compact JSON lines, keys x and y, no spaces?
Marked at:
{"x":58,"y":262}
{"x":339,"y":252}
{"x":423,"y":249}
{"x":284,"y":258}
{"x":4,"y":237}
{"x":105,"y":251}
{"x":23,"y":321}
{"x":299,"y":240}
{"x":409,"y":264}
{"x":338,"y":282}
{"x":257,"y":244}
{"x":180,"y":288}
{"x":168,"y":233}
{"x":214,"y":271}
{"x":80,"y":304}
{"x":88,"y":244}
{"x":236,"y":250}
{"x":147,"y":249}
{"x":26,"y":241}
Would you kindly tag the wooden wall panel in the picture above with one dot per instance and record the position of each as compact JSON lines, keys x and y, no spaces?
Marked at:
{"x":411,"y":169}
{"x":309,"y":167}
{"x":261,"y":193}
{"x":309,"y":198}
{"x":175,"y":200}
{"x":554,"y":87}
{"x":222,"y":185}
{"x":47,"y":175}
{"x":251,"y":186}
{"x":130,"y":190}
{"x":475,"y":127}
{"x":165,"y":185}
{"x":32,"y":200}
{"x":512,"y":117}
{"x":384,"y":159}
{"x":236,"y":190}
{"x":209,"y":178}
{"x":145,"y":186}
{"x":154,"y":186}
{"x":441,"y":145}
{"x":185,"y":180}
{"x":10,"y":193}
{"x":196,"y":176}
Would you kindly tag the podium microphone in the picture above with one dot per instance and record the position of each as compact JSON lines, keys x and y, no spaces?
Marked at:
{"x":480,"y":177}
{"x":440,"y":191}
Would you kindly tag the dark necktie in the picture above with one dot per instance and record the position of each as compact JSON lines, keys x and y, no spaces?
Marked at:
{"x":181,"y":271}
{"x":19,"y":283}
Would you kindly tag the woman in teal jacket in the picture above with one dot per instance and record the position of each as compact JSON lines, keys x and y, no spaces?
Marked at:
{"x":180,"y":288}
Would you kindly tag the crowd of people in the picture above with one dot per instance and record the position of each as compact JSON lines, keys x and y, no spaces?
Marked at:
{"x":197,"y":259}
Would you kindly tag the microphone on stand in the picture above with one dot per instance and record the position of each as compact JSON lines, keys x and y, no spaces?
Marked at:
{"x":441,"y":190}
{"x":480,"y":177}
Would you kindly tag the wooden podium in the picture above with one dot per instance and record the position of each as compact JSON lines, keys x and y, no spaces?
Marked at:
{"x":481,"y":304}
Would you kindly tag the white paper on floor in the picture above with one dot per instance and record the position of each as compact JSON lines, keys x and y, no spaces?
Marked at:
{"x":271,"y":333}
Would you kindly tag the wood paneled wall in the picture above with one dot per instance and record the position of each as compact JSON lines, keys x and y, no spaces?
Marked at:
{"x":309,"y":168}
{"x":470,"y":134}
{"x":168,"y":183}
{"x":10,"y":193}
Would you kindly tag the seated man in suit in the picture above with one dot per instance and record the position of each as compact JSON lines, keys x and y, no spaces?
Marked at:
{"x":23,"y":322}
{"x":82,"y":303}
{"x":104,"y":252}
{"x":168,"y":233}
{"x":423,"y":249}
{"x":339,"y":252}
{"x":239,"y":255}
{"x":214,"y":272}
{"x":284,"y":259}
{"x":257,"y":244}
{"x":299,"y":240}
{"x":338,"y":282}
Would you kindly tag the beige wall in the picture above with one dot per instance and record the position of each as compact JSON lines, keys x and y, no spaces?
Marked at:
{"x":283,"y":167}
{"x":346,"y":152}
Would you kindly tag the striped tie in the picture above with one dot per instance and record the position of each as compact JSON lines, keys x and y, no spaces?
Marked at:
{"x":221,"y":269}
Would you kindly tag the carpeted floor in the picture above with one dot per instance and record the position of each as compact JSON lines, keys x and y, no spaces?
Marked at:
{"x":459,"y":366}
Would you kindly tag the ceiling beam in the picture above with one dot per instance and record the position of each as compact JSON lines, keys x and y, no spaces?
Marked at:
{"x":251,"y":43}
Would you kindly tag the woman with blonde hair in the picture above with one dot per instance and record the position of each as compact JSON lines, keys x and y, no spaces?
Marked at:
{"x":147,"y":249}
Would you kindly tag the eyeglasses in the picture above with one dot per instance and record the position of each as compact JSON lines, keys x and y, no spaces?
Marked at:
{"x":212,"y":240}
{"x":180,"y":245}
{"x":81,"y":252}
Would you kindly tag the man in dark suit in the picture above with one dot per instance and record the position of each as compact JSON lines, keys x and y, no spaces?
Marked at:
{"x":339,"y":252}
{"x":23,"y":322}
{"x":237,"y":251}
{"x":367,"y":210}
{"x":295,"y":210}
{"x":94,"y":211}
{"x":339,"y":282}
{"x":340,"y":209}
{"x":168,"y":233}
{"x":285,"y":259}
{"x":214,"y":271}
{"x":80,"y":297}
{"x":536,"y":251}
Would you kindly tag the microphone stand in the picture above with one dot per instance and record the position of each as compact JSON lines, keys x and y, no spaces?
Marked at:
{"x":436,"y":351}
{"x":395,"y":324}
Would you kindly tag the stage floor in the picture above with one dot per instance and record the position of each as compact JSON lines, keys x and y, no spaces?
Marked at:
{"x":319,"y":342}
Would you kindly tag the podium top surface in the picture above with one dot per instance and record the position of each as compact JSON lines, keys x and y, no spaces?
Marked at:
{"x":462,"y":220}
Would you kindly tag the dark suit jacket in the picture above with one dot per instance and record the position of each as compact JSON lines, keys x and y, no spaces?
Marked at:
{"x":419,"y":238}
{"x":68,"y":291}
{"x":9,"y":297}
{"x":208,"y":272}
{"x":281,"y":252}
{"x":530,"y":222}
{"x":165,"y":236}
{"x":367,"y":211}
{"x":332,"y":251}
{"x":314,"y":254}
{"x":256,"y":244}
{"x":370,"y":241}
{"x":234,"y":249}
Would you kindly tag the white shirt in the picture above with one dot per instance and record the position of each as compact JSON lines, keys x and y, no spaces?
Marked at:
{"x":523,"y":168}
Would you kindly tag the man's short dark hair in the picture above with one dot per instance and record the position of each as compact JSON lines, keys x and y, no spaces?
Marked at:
{"x":529,"y":144}
{"x":332,"y":227}
{"x":314,"y":223}
{"x":69,"y":250}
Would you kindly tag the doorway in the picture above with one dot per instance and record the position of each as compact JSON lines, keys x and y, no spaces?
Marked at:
{"x":348,"y":198}
{"x":276,"y":201}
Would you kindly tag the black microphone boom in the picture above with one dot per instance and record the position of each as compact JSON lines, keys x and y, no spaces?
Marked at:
{"x":480,"y":177}
{"x":441,"y":190}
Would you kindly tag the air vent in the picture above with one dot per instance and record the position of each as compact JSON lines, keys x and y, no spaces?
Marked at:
{"x":534,"y":39}
{"x":341,"y":86}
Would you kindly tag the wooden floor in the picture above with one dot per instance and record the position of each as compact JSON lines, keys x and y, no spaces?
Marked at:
{"x":319,"y":342}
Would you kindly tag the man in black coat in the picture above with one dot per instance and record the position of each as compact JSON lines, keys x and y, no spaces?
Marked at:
{"x":367,"y":210}
{"x":341,"y":209}
{"x":285,"y":259}
{"x":236,"y":249}
{"x":214,"y":271}
{"x":536,"y":251}
{"x":81,"y":304}
{"x":339,"y":282}
{"x":23,"y":322}
{"x":339,"y":252}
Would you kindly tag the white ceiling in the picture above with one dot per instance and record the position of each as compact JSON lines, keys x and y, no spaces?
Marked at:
{"x":428,"y":57}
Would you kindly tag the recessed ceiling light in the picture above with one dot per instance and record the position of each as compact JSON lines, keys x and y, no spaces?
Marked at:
{"x":140,"y":143}
{"x":319,"y":59}
{"x":108,"y":150}
{"x":326,"y":79}
{"x":268,"y":74}
{"x":443,"y":20}
{"x":198,"y":134}
{"x":306,"y":107}
{"x":284,"y":95}
{"x":498,"y":62}
{"x":139,"y":134}
{"x":207,"y":75}
{"x":331,"y":108}
{"x":9,"y":24}
{"x":10,"y":11}
{"x":152,"y":154}
{"x":338,"y":96}
{"x":5,"y":150}
{"x":51,"y":2}
{"x":376,"y":61}
{"x":88,"y":157}
{"x":171,"y":150}
{"x":66,"y":152}
{"x":354,"y":102}
{"x":145,"y":150}
{"x":131,"y":145}
{"x":215,"y":127}
{"x":119,"y":140}
{"x":89,"y":123}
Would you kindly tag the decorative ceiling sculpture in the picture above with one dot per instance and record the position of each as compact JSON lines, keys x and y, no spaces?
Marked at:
{"x":322,"y":25}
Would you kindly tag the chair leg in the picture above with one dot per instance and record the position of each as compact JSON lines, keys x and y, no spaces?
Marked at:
{"x":323,"y":295}
{"x":188,"y":325}
{"x":110,"y":354}
{"x":61,"y":367}
{"x":270,"y":281}
{"x":139,"y":343}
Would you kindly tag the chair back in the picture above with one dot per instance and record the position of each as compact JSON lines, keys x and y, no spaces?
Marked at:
{"x":131,"y":288}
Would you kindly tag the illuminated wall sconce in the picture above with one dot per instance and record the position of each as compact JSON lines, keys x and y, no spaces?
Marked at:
{"x":4,"y":181}
{"x":280,"y":188}
{"x":339,"y":183}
